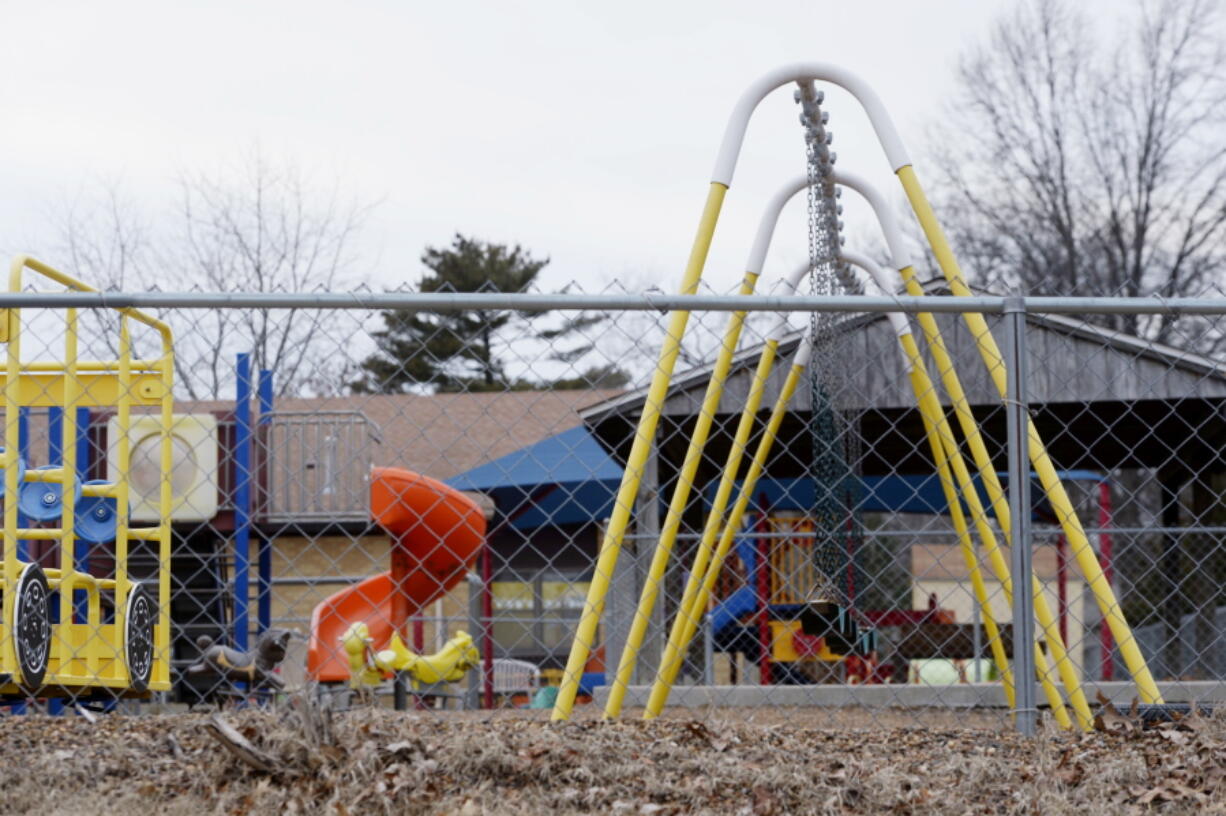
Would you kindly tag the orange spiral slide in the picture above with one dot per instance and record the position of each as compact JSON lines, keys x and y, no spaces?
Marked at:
{"x":436,"y":534}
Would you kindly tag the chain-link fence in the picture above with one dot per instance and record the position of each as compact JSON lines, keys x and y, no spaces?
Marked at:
{"x":412,"y":514}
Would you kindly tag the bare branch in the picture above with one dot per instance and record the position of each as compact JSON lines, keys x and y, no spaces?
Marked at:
{"x":1067,"y":169}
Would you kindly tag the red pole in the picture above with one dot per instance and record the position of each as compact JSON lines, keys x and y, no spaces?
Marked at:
{"x":763,"y":591}
{"x":1062,"y":585}
{"x":487,"y":627}
{"x":1106,"y":642}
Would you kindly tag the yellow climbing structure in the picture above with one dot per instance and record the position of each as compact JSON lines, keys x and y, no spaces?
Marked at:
{"x":120,"y":639}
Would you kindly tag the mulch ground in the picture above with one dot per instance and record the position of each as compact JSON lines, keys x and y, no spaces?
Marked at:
{"x":302,"y":760}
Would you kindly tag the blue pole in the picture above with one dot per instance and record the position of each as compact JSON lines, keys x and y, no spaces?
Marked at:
{"x":55,"y":456}
{"x":85,"y":460}
{"x":242,"y":501}
{"x":265,"y":396}
{"x":264,"y":580}
{"x":55,"y":435}
{"x":23,"y":450}
{"x":81,"y":550}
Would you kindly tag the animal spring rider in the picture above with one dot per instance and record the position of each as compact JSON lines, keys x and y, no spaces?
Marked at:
{"x":831,"y":275}
{"x":118,"y":639}
{"x":369,"y":668}
{"x":255,"y":668}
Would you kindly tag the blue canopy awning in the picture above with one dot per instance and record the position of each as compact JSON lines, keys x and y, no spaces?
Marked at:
{"x":896,"y":493}
{"x":565,"y":479}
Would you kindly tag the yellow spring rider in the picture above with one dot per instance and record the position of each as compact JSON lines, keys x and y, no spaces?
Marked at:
{"x":368,"y":668}
{"x":119,"y":641}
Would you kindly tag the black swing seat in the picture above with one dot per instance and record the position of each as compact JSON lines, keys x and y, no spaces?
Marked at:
{"x":834,"y":623}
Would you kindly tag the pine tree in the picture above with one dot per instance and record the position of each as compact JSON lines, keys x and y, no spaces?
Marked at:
{"x":457,"y":350}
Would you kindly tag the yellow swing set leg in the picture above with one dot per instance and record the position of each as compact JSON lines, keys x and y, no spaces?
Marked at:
{"x":937,"y":429}
{"x":688,"y":615}
{"x":970,"y":430}
{"x":1000,"y":505}
{"x":610,"y":547}
{"x":1079,"y":544}
{"x":698,"y":589}
{"x":676,"y":506}
{"x":953,"y":459}
{"x":689,"y":612}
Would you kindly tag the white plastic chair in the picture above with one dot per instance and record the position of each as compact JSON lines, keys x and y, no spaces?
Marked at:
{"x":515,"y":677}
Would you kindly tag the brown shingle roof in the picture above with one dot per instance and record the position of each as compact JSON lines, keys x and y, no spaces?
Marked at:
{"x":442,"y":435}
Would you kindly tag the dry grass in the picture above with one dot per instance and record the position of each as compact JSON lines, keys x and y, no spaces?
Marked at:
{"x":377,"y":761}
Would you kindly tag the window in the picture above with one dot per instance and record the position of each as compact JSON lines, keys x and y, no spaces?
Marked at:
{"x":535,"y":618}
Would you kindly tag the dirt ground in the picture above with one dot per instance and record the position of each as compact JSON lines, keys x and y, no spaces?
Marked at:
{"x":767,"y":763}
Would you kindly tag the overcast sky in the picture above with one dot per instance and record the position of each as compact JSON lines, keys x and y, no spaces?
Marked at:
{"x":584,"y":131}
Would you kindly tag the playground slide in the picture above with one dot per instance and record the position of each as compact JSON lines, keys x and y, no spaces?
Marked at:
{"x":744,"y":600}
{"x":733,"y":608}
{"x":436,"y":533}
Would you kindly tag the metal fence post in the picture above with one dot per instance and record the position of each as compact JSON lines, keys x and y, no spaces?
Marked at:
{"x":1018,"y":429}
{"x":708,"y":651}
{"x":647,"y":523}
{"x":476,"y":625}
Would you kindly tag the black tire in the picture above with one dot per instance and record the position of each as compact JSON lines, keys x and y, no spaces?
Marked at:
{"x":32,"y":626}
{"x":138,"y":645}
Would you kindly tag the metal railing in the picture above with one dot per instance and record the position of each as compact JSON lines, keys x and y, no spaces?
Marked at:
{"x":317,"y":465}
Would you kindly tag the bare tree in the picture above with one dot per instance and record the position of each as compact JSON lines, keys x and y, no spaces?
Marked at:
{"x":103,"y":240}
{"x":104,"y":237}
{"x":263,"y":229}
{"x":259,"y":228}
{"x":1068,"y":169}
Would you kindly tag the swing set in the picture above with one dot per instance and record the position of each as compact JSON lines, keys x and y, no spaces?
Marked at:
{"x":829,"y":267}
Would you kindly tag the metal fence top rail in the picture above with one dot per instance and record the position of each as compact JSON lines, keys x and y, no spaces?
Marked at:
{"x":436,"y":302}
{"x":297,"y":418}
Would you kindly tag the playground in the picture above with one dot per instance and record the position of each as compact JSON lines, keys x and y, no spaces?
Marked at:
{"x":844,"y":540}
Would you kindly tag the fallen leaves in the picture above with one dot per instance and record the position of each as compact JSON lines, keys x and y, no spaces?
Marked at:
{"x":237,"y":744}
{"x":370,"y":762}
{"x":1166,"y":793}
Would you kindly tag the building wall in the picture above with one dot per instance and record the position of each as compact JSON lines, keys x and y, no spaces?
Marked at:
{"x":307,"y":570}
{"x":941,"y":571}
